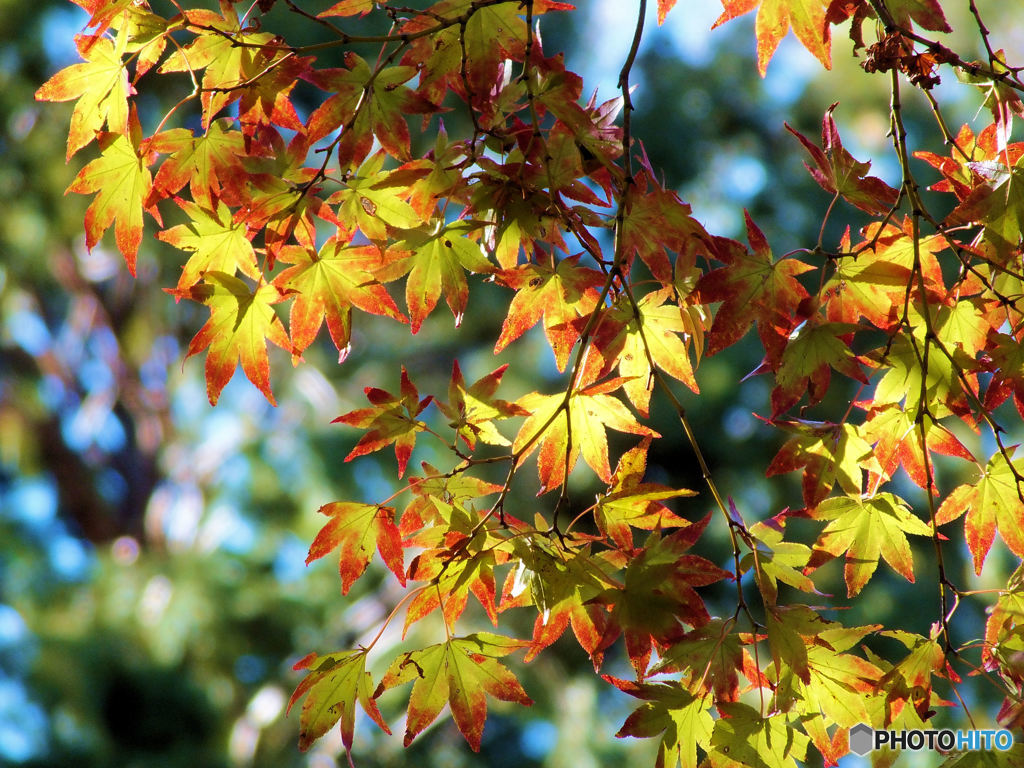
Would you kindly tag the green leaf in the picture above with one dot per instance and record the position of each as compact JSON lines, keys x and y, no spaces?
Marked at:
{"x":332,"y":687}
{"x":682,"y":720}
{"x":994,"y":500}
{"x":743,"y":738}
{"x":864,"y":529}
{"x":241,"y":322}
{"x":458,"y":673}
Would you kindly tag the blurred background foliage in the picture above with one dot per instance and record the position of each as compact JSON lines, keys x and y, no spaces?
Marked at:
{"x":153,"y":592}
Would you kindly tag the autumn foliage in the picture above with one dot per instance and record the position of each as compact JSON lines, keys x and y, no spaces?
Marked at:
{"x":294,"y":222}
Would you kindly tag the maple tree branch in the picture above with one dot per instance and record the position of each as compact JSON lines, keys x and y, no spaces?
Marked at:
{"x":945,"y":54}
{"x":899,"y":136}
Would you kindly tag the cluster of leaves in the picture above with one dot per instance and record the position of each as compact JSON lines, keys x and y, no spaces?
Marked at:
{"x":550,"y":197}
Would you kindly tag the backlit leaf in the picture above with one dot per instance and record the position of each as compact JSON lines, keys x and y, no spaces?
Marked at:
{"x":241,"y":322}
{"x":459,"y":673}
{"x":994,"y":500}
{"x":358,"y":529}
{"x":864,"y":529}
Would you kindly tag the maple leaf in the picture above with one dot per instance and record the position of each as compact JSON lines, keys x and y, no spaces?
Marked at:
{"x":121,"y":179}
{"x":1002,"y":100}
{"x":630,"y":502}
{"x":374,"y":200}
{"x":995,"y":499}
{"x":708,"y":659}
{"x":658,"y":595}
{"x":211,"y":163}
{"x":814,"y":349}
{"x":391,"y":419}
{"x":457,"y":672}
{"x":459,"y":560}
{"x":229,"y":56}
{"x":267,"y":99}
{"x":897,"y":442}
{"x":333,"y":685}
{"x":437,"y":262}
{"x":560,"y":295}
{"x":471,"y":412}
{"x":241,"y":322}
{"x":438,"y":496}
{"x":997,"y":206}
{"x":562,"y":433}
{"x":838,"y":173}
{"x":664,"y":6}
{"x":682,"y":720}
{"x":466,"y":58}
{"x":752,"y":287}
{"x":864,"y":529}
{"x":937,"y":385}
{"x":1006,"y":360}
{"x":789,"y":629}
{"x":563,"y":589}
{"x":655,"y":219}
{"x":828,"y":453}
{"x":742,"y":737}
{"x":103,"y":12}
{"x":835,"y":685}
{"x":775,"y":559}
{"x":357,"y":529}
{"x":216,"y":242}
{"x":100,"y":85}
{"x":327,"y":283}
{"x":867,"y":285}
{"x":147,"y":36}
{"x":896,"y":244}
{"x":442,"y":177}
{"x":655,"y":330}
{"x":910,"y":680}
{"x":281,"y":196}
{"x":367,"y":103}
{"x":1005,"y":620}
{"x":774,"y":19}
{"x":348,"y":8}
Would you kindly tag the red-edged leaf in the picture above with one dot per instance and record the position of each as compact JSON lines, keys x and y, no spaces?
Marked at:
{"x":658,"y":597}
{"x":241,"y":322}
{"x":994,"y":500}
{"x":210,"y":163}
{"x":814,"y":348}
{"x":839,"y":173}
{"x":437,"y":263}
{"x":348,"y":8}
{"x":391,"y":419}
{"x":588,"y":414}
{"x":215,"y":241}
{"x":561,"y":295}
{"x":472,"y":411}
{"x":664,"y":6}
{"x":752,"y":287}
{"x":864,"y":529}
{"x":459,"y":673}
{"x":332,"y":687}
{"x":327,"y":284}
{"x":357,"y":529}
{"x":774,"y":19}
{"x":899,"y":443}
{"x":100,"y":85}
{"x":121,"y":180}
{"x":632,"y":503}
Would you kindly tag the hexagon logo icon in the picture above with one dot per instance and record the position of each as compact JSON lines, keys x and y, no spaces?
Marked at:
{"x":861,"y":739}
